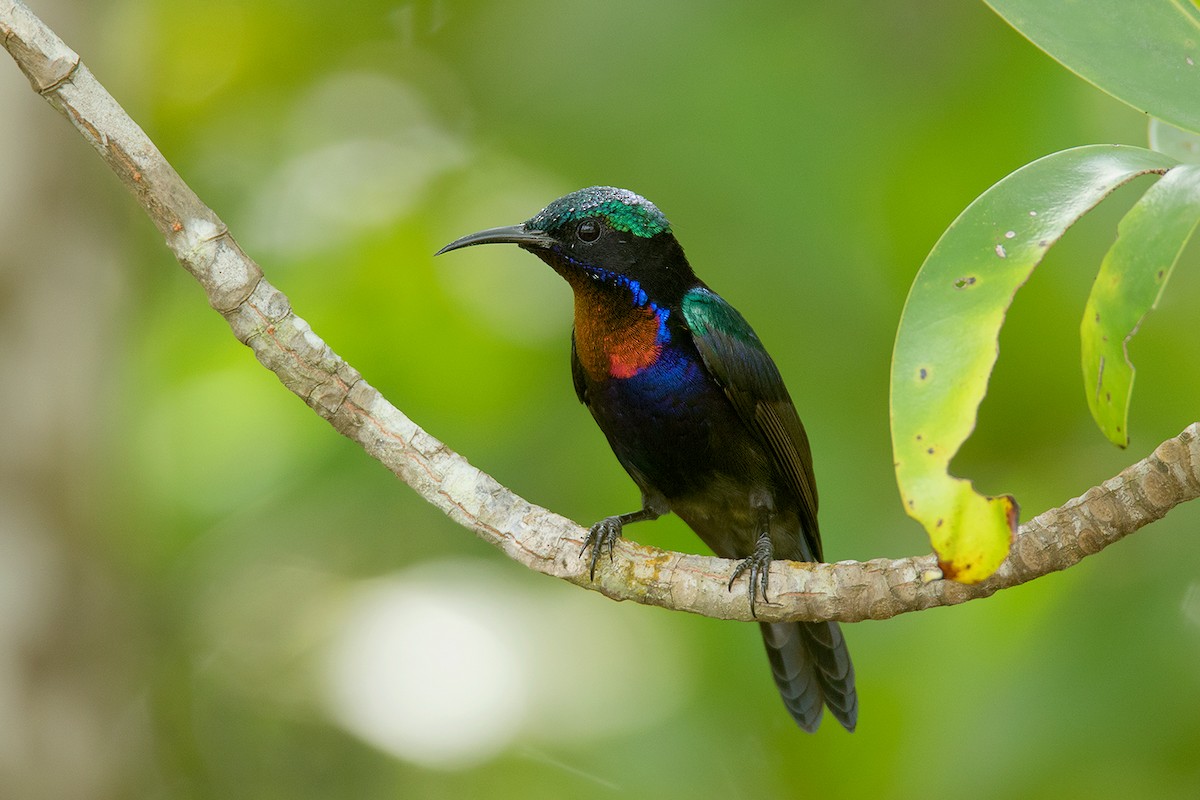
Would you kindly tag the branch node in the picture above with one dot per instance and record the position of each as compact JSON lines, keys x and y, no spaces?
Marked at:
{"x":58,"y":83}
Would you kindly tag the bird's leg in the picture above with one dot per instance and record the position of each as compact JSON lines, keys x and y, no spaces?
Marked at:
{"x":759,"y":563}
{"x":605,"y":533}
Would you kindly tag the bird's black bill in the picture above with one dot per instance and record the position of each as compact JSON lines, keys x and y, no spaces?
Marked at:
{"x":510,"y":234}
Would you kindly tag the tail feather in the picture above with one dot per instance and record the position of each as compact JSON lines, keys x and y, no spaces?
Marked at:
{"x":812,"y":669}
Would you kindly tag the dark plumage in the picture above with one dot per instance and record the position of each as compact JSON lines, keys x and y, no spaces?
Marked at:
{"x":695,"y":410}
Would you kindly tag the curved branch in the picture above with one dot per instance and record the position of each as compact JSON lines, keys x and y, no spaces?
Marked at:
{"x":262,"y":318}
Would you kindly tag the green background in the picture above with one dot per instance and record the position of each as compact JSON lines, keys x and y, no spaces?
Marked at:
{"x":194,"y":568}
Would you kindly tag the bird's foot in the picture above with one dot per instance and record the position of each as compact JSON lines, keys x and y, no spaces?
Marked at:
{"x":602,"y":536}
{"x":759,"y":566}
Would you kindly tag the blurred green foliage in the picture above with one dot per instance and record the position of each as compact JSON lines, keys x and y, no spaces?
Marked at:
{"x":808,"y":157}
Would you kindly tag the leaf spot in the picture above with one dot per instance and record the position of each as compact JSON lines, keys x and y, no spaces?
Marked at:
{"x":1009,"y":234}
{"x":923,"y":373}
{"x":1000,"y":251}
{"x":965,"y":281}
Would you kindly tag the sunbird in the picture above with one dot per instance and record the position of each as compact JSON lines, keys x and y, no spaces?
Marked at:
{"x":696,"y":412}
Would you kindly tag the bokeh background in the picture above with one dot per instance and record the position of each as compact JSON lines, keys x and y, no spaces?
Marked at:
{"x":206,"y":592}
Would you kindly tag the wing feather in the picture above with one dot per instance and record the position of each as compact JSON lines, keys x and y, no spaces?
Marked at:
{"x":738,"y":361}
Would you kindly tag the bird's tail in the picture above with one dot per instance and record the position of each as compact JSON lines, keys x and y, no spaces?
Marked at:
{"x":812,"y":669}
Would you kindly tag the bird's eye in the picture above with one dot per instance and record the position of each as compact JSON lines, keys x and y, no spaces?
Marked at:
{"x":588,"y":230}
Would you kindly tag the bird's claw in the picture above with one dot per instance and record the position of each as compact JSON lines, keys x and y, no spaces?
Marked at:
{"x":759,"y":566}
{"x":603,"y":535}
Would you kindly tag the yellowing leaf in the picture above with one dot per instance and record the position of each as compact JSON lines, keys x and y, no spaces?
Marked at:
{"x":947,"y":341}
{"x":1131,"y":279}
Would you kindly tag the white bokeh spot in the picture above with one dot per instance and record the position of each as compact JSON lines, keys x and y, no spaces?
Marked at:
{"x":425,"y":677}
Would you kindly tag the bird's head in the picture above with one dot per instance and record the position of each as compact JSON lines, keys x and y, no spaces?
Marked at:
{"x":600,"y":234}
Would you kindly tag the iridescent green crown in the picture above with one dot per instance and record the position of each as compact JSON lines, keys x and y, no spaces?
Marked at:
{"x":621,"y":208}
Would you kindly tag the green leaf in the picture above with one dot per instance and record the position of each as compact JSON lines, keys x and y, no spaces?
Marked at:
{"x":1131,"y":279}
{"x":948,"y":337}
{"x":1145,"y":53}
{"x":1183,"y":146}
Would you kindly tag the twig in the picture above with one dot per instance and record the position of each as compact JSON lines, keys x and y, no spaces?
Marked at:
{"x":262,"y":318}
